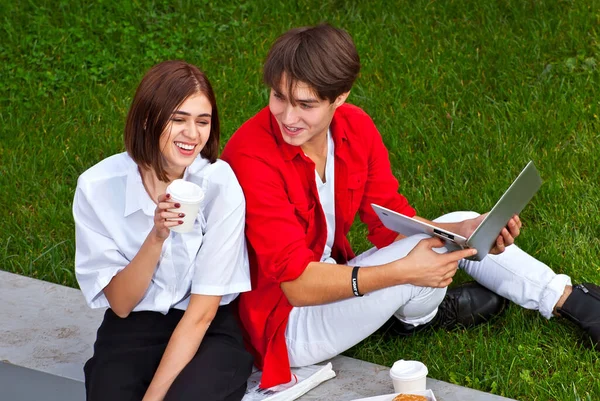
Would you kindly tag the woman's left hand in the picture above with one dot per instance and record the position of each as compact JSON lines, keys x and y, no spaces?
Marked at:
{"x":507,"y":235}
{"x":164,"y":219}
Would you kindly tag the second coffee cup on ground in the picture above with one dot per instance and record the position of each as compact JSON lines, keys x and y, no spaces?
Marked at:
{"x":189,"y":195}
{"x":408,"y":376}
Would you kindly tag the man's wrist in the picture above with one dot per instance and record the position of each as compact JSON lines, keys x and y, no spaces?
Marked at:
{"x":354,"y":282}
{"x":393,"y":272}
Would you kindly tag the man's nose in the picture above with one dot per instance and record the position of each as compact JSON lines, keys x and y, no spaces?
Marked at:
{"x":290,"y":115}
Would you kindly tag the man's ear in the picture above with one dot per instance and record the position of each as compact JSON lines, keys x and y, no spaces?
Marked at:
{"x":341,"y":99}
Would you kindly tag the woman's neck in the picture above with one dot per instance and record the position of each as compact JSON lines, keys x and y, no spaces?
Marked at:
{"x":153,"y":185}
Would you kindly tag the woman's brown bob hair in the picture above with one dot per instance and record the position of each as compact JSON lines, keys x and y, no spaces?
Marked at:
{"x":322,"y":56}
{"x":164,"y":88}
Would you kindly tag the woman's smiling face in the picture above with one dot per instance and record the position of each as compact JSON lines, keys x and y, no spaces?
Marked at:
{"x":186,"y":134}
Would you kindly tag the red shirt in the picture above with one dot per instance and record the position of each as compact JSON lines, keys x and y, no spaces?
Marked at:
{"x":285,"y":224}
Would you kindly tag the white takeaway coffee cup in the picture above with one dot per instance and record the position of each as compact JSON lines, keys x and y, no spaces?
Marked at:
{"x":189,"y":195}
{"x":408,"y":376}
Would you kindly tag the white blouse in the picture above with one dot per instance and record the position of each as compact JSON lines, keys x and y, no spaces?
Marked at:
{"x":326,"y":191}
{"x":113,"y":215}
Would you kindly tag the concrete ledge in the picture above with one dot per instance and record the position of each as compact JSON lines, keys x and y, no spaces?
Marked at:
{"x":47,"y":332}
{"x":45,"y":327}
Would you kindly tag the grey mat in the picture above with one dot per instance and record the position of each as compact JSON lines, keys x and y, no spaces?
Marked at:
{"x":21,"y":384}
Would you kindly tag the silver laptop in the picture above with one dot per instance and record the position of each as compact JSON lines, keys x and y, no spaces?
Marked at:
{"x":483,"y":238}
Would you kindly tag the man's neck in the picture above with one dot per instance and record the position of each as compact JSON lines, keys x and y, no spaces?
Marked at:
{"x":316,"y":147}
{"x":317,"y":152}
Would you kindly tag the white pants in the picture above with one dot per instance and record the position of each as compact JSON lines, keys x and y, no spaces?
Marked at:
{"x":317,"y":333}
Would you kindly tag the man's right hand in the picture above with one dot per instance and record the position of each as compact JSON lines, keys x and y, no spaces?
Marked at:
{"x":425,"y":267}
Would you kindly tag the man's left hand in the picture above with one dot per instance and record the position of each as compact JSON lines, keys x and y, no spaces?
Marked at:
{"x":507,"y":235}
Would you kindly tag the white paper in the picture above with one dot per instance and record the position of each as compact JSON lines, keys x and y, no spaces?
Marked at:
{"x":390,"y":397}
{"x":303,"y":380}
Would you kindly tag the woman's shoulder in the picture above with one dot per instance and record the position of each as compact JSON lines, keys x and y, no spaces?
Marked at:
{"x":215,"y":178}
{"x":117,"y":165}
{"x":218,"y":172}
{"x":103,"y":187}
{"x":222,"y":174}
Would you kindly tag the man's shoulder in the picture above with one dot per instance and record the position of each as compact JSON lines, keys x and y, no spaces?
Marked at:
{"x":258,"y":125}
{"x":254,"y":137}
{"x":351,"y":111}
{"x":353,"y":119}
{"x":356,"y":125}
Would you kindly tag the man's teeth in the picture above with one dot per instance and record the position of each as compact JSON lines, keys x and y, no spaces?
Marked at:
{"x":184,"y":146}
{"x":292,"y":129}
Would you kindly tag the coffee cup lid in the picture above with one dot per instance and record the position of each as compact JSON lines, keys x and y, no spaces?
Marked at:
{"x":185,"y":191}
{"x":408,"y":370}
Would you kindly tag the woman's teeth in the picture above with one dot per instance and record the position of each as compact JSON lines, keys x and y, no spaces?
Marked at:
{"x":184,"y":146}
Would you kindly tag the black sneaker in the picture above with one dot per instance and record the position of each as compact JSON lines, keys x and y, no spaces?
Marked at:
{"x":582,"y":307}
{"x":469,"y":305}
{"x":466,"y":305}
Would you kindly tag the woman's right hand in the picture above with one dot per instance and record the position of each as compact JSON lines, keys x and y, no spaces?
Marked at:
{"x":164,"y":219}
{"x":425,"y":267}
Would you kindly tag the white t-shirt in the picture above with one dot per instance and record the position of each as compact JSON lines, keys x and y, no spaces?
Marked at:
{"x":326,"y":192}
{"x":113,"y":215}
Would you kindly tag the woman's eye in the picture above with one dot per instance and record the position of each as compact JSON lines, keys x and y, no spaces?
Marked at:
{"x":177,"y":120}
{"x":202,"y":123}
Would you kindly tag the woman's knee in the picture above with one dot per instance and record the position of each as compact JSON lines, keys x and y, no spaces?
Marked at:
{"x":110,"y":379}
{"x":218,"y":371}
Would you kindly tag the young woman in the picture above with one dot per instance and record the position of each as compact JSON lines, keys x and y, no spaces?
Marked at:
{"x":169,"y":332}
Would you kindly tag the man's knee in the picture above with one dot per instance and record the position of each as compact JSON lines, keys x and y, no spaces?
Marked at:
{"x":455,"y":217}
{"x":422,"y":305}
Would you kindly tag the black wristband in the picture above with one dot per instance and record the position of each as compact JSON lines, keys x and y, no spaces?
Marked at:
{"x":355,"y":281}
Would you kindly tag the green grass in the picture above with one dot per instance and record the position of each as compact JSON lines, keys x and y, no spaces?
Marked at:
{"x":463,"y":92}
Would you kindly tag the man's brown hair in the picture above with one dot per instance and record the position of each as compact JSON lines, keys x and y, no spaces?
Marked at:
{"x":162,"y":90}
{"x":322,"y":56}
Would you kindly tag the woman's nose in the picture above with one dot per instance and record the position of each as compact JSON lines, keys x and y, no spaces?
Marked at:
{"x":191,"y":130}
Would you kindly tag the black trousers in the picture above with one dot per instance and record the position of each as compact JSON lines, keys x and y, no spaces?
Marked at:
{"x":127,"y":353}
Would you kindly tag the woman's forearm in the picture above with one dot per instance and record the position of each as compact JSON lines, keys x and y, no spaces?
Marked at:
{"x":183,"y":345}
{"x":127,"y":288}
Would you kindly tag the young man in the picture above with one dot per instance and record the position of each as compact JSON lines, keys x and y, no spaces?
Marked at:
{"x":308,"y":163}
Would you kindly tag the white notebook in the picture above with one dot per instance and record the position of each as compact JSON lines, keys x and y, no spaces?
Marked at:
{"x":483,"y":238}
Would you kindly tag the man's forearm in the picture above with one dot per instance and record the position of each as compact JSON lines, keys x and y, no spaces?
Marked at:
{"x":322,"y":283}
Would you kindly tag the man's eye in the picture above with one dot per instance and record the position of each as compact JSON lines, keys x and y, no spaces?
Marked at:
{"x":305,"y":106}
